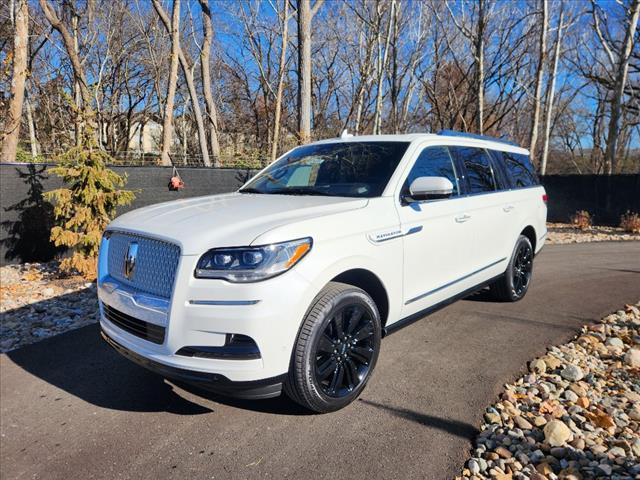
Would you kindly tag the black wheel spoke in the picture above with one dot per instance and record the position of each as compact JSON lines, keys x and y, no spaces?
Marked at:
{"x":351,"y":374}
{"x":362,"y":354}
{"x":325,"y":344}
{"x":326,"y":368}
{"x":336,"y":381}
{"x":344,"y":351}
{"x":354,"y":319}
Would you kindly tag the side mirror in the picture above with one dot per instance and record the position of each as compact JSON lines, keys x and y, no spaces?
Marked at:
{"x":430,"y":188}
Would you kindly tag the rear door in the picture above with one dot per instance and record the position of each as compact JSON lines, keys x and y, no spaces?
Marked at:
{"x":483,"y":186}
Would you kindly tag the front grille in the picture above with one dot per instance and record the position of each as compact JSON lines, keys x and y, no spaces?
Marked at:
{"x":155,"y":265}
{"x":139,"y":328}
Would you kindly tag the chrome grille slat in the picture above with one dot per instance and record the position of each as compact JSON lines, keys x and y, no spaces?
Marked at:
{"x":156,"y":263}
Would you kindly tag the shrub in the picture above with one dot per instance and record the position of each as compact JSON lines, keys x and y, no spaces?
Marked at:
{"x":582,"y":220}
{"x":84,"y":207}
{"x":630,"y":222}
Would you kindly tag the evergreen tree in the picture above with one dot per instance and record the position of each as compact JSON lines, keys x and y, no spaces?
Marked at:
{"x":85,"y":206}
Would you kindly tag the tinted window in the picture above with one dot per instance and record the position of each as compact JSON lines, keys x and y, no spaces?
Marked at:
{"x":519,"y":169}
{"x":434,"y":162}
{"x":477,"y":164}
{"x":342,"y":169}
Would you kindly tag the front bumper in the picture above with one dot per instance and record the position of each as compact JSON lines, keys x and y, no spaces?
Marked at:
{"x":259,"y":389}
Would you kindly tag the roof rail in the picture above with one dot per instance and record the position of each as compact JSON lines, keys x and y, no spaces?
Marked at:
{"x":455,"y":133}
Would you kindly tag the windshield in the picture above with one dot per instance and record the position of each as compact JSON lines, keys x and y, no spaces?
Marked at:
{"x":345,"y":169}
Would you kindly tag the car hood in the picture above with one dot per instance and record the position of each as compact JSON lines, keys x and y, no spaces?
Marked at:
{"x":235,"y":219}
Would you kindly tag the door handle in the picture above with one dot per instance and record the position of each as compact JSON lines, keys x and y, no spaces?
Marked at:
{"x":462,"y":218}
{"x":508,"y":208}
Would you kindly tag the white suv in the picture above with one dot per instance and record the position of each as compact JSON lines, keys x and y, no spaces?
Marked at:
{"x":292,"y":281}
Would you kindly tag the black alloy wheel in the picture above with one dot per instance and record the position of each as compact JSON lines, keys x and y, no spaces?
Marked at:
{"x":514,"y":284}
{"x":344,"y":351}
{"x":336,"y":349}
{"x":522,"y":268}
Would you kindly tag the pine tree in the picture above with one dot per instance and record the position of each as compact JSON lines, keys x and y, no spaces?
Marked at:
{"x":85,"y":206}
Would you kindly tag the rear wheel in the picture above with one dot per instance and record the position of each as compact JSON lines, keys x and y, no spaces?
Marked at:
{"x":336,"y":350}
{"x":514,"y":284}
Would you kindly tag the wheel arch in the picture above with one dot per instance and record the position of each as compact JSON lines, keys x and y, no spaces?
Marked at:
{"x":530,"y":233}
{"x":370,"y":283}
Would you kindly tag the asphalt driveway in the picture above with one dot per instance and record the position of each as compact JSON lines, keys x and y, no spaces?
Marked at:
{"x":72,"y":408}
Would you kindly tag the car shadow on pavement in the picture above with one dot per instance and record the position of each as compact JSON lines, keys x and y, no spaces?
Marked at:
{"x":453,"y":427}
{"x":82,"y":364}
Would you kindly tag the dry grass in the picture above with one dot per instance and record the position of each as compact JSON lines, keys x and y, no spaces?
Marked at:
{"x":630,"y":222}
{"x":582,"y":220}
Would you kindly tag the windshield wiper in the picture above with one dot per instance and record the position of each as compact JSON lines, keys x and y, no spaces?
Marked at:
{"x":300,"y":191}
{"x":250,"y":190}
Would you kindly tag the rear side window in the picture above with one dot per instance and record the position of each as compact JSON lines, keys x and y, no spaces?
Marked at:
{"x":434,"y":162}
{"x":519,"y":169}
{"x":477,"y":164}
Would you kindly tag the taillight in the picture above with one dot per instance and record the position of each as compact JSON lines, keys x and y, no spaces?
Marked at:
{"x":545,"y":198}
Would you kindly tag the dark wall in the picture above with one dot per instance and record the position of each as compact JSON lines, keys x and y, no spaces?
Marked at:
{"x":605,"y":197}
{"x":26,"y":218}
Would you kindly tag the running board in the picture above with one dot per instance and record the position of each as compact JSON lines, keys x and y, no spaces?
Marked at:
{"x":406,"y":321}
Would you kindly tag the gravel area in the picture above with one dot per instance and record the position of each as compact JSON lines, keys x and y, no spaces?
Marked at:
{"x":575,"y":415}
{"x":35,"y":303}
{"x":561,"y":233}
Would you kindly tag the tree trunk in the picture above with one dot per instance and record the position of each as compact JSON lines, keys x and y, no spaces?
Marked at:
{"x":33,"y":141}
{"x":18,"y":79}
{"x":618,"y":94}
{"x":382,"y":65}
{"x":304,"y":70}
{"x":205,"y":53}
{"x":550,"y":94}
{"x":167,"y":124}
{"x":533,"y":136}
{"x":188,"y":76}
{"x":479,"y":54}
{"x":281,"y":77}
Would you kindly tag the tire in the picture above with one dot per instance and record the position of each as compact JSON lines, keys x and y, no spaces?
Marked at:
{"x":515,"y":282}
{"x":336,"y":350}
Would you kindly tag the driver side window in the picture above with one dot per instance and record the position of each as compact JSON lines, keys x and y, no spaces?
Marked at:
{"x":434,"y":162}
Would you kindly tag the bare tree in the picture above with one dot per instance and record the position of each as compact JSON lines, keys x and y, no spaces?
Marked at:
{"x":187,"y":70}
{"x":167,"y":125}
{"x":551,"y":86}
{"x":305,"y":15}
{"x":284,"y":22}
{"x":20,"y":16}
{"x":205,"y":58}
{"x":621,"y":68}
{"x":537,"y":97}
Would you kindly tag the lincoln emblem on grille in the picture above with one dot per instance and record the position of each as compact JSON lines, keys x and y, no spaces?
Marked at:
{"x":130,"y":260}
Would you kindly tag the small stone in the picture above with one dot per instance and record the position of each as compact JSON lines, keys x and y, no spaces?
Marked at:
{"x":570,"y":396}
{"x":632,"y":358}
{"x":556,"y":433}
{"x":583,"y":402}
{"x":492,"y":417}
{"x":522,"y":423}
{"x":558,"y":452}
{"x":539,"y":421}
{"x":473,"y":466}
{"x":578,"y":444}
{"x":572,"y":373}
{"x":503,"y":452}
{"x":617,"y":452}
{"x":606,"y":469}
{"x":538,"y":366}
{"x":614,"y":342}
{"x":579,"y":389}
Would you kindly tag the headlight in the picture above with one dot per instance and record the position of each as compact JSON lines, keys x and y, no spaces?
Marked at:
{"x":252,"y":264}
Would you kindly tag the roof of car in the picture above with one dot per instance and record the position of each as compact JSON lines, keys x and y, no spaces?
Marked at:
{"x":456,"y":138}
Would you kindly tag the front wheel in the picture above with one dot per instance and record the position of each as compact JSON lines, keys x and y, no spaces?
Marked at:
{"x":514,"y":284}
{"x":336,"y":350}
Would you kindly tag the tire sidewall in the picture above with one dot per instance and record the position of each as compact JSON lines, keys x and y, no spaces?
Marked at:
{"x":343,"y":299}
